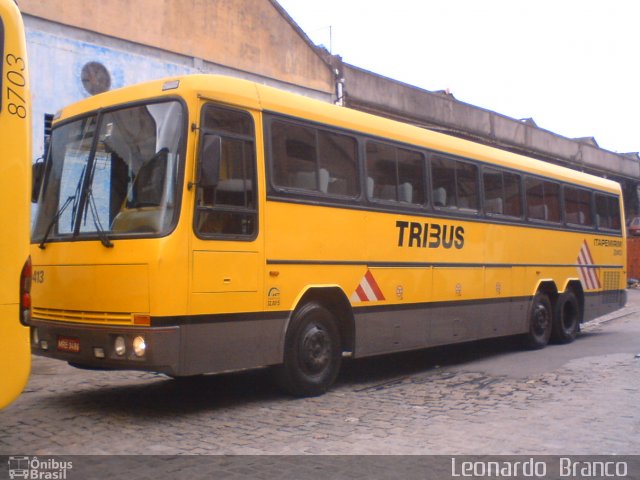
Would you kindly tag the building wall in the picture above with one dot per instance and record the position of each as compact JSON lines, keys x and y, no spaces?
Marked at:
{"x":254,"y":36}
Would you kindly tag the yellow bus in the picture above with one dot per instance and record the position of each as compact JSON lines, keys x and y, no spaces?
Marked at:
{"x":15,"y":185}
{"x":207,"y":224}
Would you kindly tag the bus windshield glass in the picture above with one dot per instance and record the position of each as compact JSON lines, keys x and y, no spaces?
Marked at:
{"x":113,"y":174}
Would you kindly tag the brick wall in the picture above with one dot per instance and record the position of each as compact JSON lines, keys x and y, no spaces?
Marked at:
{"x":633,"y":257}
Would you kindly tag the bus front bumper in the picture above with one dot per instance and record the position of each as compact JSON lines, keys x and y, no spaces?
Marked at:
{"x":110,"y":347}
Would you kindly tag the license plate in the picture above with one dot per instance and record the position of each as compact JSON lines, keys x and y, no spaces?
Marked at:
{"x":68,"y":344}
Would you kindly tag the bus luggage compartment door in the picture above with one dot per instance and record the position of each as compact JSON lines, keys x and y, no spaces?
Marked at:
{"x":222,"y":272}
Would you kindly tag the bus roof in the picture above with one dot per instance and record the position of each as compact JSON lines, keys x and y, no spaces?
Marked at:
{"x":247,"y":94}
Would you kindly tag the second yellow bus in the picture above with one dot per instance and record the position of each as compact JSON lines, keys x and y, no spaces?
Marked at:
{"x":15,"y":186}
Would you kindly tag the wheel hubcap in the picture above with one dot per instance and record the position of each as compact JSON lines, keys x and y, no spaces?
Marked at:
{"x":316,"y":349}
{"x":541,"y":320}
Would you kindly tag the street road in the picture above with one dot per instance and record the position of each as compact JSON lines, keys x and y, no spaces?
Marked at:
{"x":483,"y":398}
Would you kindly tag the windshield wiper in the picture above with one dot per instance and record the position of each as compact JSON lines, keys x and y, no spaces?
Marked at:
{"x":102,"y":234}
{"x":54,"y":220}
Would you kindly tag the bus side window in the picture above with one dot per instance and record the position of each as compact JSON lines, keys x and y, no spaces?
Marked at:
{"x":455,"y":184}
{"x":467,"y":186}
{"x":577,"y":205}
{"x":338,"y":162}
{"x":614,"y":208}
{"x":443,"y":175}
{"x":502,"y":193}
{"x":512,"y":194}
{"x":493,"y":192}
{"x":608,"y":212}
{"x":536,"y":209}
{"x":294,"y":154}
{"x":229,"y":207}
{"x":395,"y":174}
{"x":314,"y":160}
{"x":552,"y":201}
{"x":543,"y":200}
{"x":411,"y":176}
{"x":381,"y":169}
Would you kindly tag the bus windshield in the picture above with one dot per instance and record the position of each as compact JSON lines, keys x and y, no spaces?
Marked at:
{"x":120,"y":181}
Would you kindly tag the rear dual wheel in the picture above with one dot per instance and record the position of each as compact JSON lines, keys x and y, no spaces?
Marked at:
{"x":566,"y":318}
{"x":560,"y":322}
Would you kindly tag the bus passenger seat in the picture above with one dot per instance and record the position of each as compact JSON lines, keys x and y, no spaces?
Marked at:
{"x":539,"y":212}
{"x":305,"y":180}
{"x":493,"y":205}
{"x":440,"y":197}
{"x":405,"y":192}
{"x":577,"y":218}
{"x":323,"y":180}
{"x":370,"y":185}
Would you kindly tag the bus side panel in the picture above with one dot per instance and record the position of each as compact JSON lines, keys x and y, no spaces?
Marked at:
{"x":231,"y":345}
{"x":387,"y":330}
{"x":603,"y":303}
{"x":15,"y":180}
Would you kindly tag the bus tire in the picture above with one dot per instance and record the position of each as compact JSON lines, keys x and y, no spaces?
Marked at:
{"x":312,"y":352}
{"x":540,"y":322}
{"x":566,"y":318}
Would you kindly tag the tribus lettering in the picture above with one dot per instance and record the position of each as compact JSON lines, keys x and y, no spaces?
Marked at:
{"x":429,"y":235}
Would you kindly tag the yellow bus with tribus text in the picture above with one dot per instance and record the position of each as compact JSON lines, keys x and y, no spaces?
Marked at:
{"x":207,"y":224}
{"x":15,"y":208}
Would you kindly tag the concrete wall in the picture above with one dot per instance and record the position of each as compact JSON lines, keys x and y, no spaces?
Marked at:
{"x":254,"y":36}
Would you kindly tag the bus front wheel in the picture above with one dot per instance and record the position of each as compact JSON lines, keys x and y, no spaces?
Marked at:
{"x":312,"y":352}
{"x":540,"y":322}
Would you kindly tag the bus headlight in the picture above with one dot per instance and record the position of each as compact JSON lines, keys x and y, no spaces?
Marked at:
{"x":139,"y":346}
{"x":119,"y":346}
{"x":35,"y":336}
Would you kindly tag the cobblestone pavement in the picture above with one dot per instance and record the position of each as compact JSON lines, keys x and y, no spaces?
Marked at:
{"x":441,"y":401}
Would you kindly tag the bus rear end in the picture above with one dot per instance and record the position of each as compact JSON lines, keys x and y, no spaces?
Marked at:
{"x":15,"y":168}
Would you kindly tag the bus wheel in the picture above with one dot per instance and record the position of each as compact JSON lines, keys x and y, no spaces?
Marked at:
{"x":566,"y":318}
{"x":312,"y":352}
{"x":540,"y":322}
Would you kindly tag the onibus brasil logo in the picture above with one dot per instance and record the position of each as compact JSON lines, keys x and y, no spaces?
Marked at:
{"x":38,"y":469}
